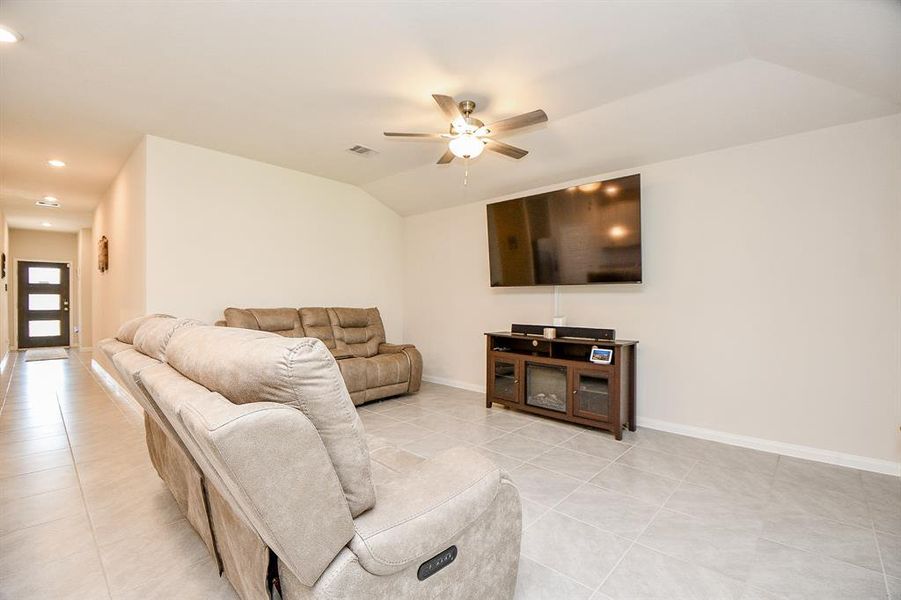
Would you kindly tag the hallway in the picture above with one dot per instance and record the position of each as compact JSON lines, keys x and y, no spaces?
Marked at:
{"x":84,"y":513}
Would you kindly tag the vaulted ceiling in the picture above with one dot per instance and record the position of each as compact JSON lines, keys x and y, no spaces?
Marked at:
{"x":296,"y":84}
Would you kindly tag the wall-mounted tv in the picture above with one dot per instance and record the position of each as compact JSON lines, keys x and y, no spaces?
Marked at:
{"x":589,"y":233}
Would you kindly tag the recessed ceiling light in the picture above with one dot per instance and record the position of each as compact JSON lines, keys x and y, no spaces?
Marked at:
{"x":49,"y":202}
{"x":56,"y":163}
{"x":46,"y":224}
{"x":9,"y":36}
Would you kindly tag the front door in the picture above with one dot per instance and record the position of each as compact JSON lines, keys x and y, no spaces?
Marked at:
{"x":43,"y":301}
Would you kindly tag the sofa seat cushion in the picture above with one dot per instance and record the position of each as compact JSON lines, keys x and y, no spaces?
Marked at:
{"x":418,"y":514}
{"x":254,"y":366}
{"x":387,"y":369}
{"x":129,"y":364}
{"x":112,"y":346}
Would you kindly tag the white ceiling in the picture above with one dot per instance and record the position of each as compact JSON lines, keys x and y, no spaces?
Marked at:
{"x":295,"y":84}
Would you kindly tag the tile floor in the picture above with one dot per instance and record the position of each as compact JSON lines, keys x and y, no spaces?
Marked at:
{"x":83,"y":514}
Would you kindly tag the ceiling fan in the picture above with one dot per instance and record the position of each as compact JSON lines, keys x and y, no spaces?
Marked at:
{"x":468,"y":136}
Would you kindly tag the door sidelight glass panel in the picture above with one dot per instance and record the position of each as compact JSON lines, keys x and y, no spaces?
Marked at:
{"x":43,"y":301}
{"x":546,"y":386}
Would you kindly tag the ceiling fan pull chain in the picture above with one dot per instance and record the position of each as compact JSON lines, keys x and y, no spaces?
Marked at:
{"x":466,"y":172}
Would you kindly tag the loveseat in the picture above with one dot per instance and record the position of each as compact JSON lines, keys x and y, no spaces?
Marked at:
{"x":372,"y":369}
{"x":257,"y":438}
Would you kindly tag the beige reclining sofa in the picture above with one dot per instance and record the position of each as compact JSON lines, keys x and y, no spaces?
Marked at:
{"x":257,"y":438}
{"x":372,"y":369}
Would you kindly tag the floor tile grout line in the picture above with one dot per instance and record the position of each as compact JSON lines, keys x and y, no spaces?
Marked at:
{"x":9,"y":382}
{"x":640,"y":533}
{"x":888,"y":589}
{"x":631,"y":542}
{"x":563,"y":575}
{"x":5,"y":391}
{"x":760,"y":536}
{"x":104,"y":386}
{"x":84,"y":501}
{"x":767,"y":498}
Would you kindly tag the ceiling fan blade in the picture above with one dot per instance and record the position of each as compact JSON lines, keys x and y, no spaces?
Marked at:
{"x":523,"y":120}
{"x":446,"y":157}
{"x":414,"y":135}
{"x":505,"y":149}
{"x":449,"y":107}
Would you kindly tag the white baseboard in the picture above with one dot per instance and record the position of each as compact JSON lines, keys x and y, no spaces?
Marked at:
{"x":454,"y":383}
{"x":863,"y":463}
{"x":832,"y":457}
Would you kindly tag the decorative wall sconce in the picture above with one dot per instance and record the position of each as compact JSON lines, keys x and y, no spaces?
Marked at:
{"x":103,"y":254}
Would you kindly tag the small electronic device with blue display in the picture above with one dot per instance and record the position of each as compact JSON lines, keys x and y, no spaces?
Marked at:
{"x":601,"y":356}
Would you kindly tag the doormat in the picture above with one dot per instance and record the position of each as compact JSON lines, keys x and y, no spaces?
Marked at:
{"x":45,"y":354}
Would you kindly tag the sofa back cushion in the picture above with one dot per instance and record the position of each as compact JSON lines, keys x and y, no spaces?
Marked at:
{"x":358,"y":331}
{"x":154,"y":334}
{"x":283,"y":321}
{"x":254,"y":366}
{"x":316,"y":324}
{"x":128,"y":329}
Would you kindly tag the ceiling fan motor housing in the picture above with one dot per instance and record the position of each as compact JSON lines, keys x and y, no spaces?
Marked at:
{"x":470,"y":123}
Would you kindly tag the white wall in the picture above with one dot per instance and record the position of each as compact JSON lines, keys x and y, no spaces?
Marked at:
{"x":87,"y":257}
{"x":4,"y":290}
{"x":771,"y":306}
{"x":119,"y":294}
{"x":227,"y":231}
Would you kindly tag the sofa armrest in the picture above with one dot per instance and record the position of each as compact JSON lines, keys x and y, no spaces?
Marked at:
{"x":276,"y":467}
{"x":418,"y":515}
{"x":393,"y":348}
{"x":340,"y":354}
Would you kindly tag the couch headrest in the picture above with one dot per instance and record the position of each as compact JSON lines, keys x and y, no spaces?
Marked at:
{"x":154,"y":334}
{"x":358,"y":331}
{"x":128,"y":329}
{"x":283,"y":321}
{"x":255,"y":366}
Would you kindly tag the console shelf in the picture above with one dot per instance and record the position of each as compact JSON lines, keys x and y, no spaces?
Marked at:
{"x":554,"y":378}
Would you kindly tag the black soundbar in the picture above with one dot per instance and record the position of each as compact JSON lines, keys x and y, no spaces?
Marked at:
{"x":591,"y":333}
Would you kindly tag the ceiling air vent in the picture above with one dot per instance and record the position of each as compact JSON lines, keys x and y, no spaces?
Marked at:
{"x":48,"y":203}
{"x":362,"y":150}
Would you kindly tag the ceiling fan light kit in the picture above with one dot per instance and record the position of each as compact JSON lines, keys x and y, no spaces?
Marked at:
{"x":468,"y":136}
{"x":466,"y":145}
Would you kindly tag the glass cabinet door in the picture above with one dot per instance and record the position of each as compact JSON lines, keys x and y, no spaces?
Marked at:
{"x":545,"y":386}
{"x":505,"y":379}
{"x":591,"y":394}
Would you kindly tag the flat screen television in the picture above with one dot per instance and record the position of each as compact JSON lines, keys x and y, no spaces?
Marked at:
{"x":583,"y":234}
